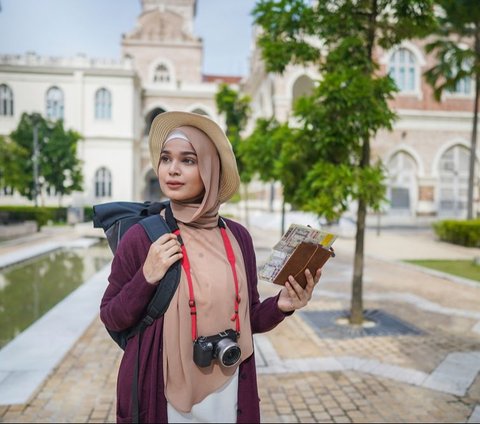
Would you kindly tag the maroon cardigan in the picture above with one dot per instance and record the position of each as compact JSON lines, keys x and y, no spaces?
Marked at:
{"x":124,"y":304}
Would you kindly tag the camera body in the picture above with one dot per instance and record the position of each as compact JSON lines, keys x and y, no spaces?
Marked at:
{"x":222,"y":346}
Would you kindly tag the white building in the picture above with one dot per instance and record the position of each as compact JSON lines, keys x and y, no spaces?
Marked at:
{"x":112,"y":103}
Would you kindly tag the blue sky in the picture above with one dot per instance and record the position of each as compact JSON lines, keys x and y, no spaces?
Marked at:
{"x":94,"y":27}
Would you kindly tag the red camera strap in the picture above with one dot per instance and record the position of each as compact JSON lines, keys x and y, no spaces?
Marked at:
{"x":191,"y":302}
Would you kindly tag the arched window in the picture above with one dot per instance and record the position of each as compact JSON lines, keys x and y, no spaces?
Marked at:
{"x":150,"y":117}
{"x":103,"y":104}
{"x":464,"y":86}
{"x":453,"y":190}
{"x":402,"y":67}
{"x":103,"y":183}
{"x":55,"y":103}
{"x":161,"y":74}
{"x":200,"y":111}
{"x":303,"y":86}
{"x":6,"y":100}
{"x":402,"y":182}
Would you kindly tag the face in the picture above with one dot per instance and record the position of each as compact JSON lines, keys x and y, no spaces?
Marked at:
{"x":178,"y":171}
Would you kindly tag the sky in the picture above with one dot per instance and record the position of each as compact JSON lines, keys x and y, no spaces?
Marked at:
{"x":94,"y":27}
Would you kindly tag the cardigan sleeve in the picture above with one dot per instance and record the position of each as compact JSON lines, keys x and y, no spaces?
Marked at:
{"x":265,"y":315}
{"x":128,"y":293}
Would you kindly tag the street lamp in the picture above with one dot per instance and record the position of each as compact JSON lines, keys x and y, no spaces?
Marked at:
{"x":35,"y":158}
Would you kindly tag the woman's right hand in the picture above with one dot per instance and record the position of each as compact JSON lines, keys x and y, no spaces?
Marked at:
{"x":162,"y":254}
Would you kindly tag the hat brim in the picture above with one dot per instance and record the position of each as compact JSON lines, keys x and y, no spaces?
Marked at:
{"x":166,"y":122}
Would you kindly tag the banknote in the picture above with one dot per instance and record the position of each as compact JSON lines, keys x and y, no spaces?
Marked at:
{"x":295,"y":234}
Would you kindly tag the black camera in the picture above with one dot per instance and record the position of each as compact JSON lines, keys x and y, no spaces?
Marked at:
{"x":222,"y":346}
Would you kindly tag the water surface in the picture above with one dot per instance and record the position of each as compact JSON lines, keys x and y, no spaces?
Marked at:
{"x":29,"y":289}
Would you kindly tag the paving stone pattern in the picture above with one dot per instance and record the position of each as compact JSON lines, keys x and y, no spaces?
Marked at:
{"x":82,"y":387}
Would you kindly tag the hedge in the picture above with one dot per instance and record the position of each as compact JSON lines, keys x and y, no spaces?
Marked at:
{"x":41,"y":214}
{"x":465,"y":233}
{"x":88,"y":213}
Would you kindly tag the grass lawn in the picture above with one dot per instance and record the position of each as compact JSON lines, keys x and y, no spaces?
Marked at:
{"x":460,"y":268}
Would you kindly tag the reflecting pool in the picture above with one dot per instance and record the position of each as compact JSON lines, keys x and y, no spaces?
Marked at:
{"x":30,"y":289}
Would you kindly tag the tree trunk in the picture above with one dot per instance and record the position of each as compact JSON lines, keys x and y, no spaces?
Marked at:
{"x":356,"y":307}
{"x":473,"y":144}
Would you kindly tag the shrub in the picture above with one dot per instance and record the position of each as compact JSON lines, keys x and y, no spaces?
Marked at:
{"x":87,"y":213}
{"x":15,"y":214}
{"x":465,"y":233}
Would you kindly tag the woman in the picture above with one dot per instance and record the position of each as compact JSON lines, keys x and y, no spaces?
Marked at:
{"x":180,"y":379}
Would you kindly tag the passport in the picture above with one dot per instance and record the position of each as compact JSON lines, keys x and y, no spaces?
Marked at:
{"x":306,"y":255}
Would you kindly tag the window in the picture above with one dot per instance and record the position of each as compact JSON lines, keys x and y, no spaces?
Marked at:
{"x":453,"y":184}
{"x":464,"y":86}
{"x":103,"y":183}
{"x":402,"y":182}
{"x":200,"y":111}
{"x":6,"y":100}
{"x":54,"y":103}
{"x":103,"y":104}
{"x":402,"y":67}
{"x":161,"y":74}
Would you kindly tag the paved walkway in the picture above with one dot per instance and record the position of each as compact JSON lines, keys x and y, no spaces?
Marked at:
{"x":433,"y":377}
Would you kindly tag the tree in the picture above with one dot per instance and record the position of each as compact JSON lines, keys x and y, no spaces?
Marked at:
{"x":330,"y":158}
{"x":263,"y":155}
{"x":457,"y":50}
{"x":236,"y":109}
{"x":12,"y":157}
{"x":58,"y":165}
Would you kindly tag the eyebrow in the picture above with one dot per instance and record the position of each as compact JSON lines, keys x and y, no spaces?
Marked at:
{"x":184,"y":153}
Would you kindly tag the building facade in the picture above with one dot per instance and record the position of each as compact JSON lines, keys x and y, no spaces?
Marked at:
{"x":427,"y":153}
{"x":112,"y":103}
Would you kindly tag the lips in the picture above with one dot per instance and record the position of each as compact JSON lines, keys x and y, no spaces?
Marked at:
{"x":174,"y":184}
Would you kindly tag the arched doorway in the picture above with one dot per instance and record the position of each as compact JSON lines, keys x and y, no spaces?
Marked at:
{"x":402,"y":183}
{"x":152,"y":190}
{"x":150,"y":117}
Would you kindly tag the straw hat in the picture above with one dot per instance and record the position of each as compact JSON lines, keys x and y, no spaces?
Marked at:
{"x":165,"y":122}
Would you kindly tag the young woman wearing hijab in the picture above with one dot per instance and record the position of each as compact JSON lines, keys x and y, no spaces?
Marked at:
{"x":197,"y":171}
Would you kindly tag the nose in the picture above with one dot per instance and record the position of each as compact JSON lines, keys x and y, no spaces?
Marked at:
{"x":173,"y":169}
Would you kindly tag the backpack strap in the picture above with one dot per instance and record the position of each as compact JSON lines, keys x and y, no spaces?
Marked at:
{"x":155,"y":226}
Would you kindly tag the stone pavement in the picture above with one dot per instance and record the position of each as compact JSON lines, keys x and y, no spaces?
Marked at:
{"x":433,"y":377}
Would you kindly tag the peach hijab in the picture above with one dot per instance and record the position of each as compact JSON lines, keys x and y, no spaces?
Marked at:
{"x":186,"y":384}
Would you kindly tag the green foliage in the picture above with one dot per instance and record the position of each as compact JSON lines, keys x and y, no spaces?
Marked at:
{"x":457,"y":57}
{"x":41,"y":215}
{"x":465,"y":233}
{"x":12,"y":165}
{"x":59,"y":167}
{"x":236,"y":109}
{"x":290,"y":26}
{"x":88,"y":213}
{"x":324,"y":163}
{"x":456,"y":44}
{"x":260,"y":151}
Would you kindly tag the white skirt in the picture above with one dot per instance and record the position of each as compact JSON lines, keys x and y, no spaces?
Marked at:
{"x":218,"y":407}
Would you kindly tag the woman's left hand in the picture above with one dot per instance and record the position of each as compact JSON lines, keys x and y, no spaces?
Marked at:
{"x":293,"y":296}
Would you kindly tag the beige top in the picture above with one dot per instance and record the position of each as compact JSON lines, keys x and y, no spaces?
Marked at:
{"x":186,"y":384}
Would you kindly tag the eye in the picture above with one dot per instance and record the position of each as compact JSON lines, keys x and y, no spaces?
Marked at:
{"x":164,"y":158}
{"x":190,"y":161}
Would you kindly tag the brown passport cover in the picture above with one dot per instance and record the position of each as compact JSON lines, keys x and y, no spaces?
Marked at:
{"x":306,"y":255}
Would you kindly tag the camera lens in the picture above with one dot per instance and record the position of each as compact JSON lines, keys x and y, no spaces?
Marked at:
{"x":231,"y":356}
{"x":228,"y":352}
